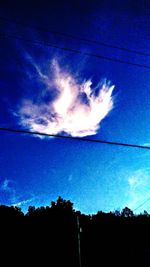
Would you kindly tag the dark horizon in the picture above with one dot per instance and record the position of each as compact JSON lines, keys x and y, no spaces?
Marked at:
{"x":116,"y":212}
{"x":60,"y":236}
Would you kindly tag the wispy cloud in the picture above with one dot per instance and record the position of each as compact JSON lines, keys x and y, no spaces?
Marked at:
{"x":138,"y":179}
{"x":10,"y":196}
{"x":139,"y":188}
{"x":5,"y":185}
{"x":66,"y":105}
{"x":7,"y":189}
{"x":23,"y":202}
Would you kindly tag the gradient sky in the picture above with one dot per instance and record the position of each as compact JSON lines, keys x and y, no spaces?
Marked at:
{"x":35,"y":171}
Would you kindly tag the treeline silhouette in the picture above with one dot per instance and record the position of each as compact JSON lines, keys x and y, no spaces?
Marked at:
{"x":57,"y":235}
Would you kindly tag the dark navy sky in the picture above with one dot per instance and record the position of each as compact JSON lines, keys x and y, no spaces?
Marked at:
{"x":35,"y":171}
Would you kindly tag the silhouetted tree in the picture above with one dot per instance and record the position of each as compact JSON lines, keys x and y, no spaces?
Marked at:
{"x":62,"y":205}
{"x":31,"y":210}
{"x":145,"y":213}
{"x":126,"y":212}
{"x":117,"y":213}
{"x":53,"y":233}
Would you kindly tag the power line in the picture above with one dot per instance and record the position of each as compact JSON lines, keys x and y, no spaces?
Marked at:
{"x":6,"y":35}
{"x":79,"y":240}
{"x":148,"y":199}
{"x":74,"y":138}
{"x":70,"y":36}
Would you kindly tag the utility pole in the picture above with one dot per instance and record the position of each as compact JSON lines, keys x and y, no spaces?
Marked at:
{"x":79,"y":241}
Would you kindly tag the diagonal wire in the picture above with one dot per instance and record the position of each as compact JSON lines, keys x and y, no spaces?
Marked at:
{"x":148,"y":199}
{"x":70,"y":36}
{"x":7,"y":35}
{"x":74,"y":138}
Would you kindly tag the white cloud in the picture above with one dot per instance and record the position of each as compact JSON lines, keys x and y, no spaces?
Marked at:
{"x":13,"y":198}
{"x":138,"y":179}
{"x":5,"y":185}
{"x":70,"y":178}
{"x":76,"y":109}
{"x":23,"y":202}
{"x":138,"y":190}
{"x":8,"y":190}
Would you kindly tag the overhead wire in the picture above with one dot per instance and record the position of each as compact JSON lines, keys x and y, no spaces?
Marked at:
{"x":70,"y":36}
{"x":7,"y":35}
{"x":148,"y":199}
{"x":74,"y":138}
{"x":4,"y":34}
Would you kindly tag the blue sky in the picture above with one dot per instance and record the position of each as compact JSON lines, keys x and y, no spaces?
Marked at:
{"x":35,"y":171}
